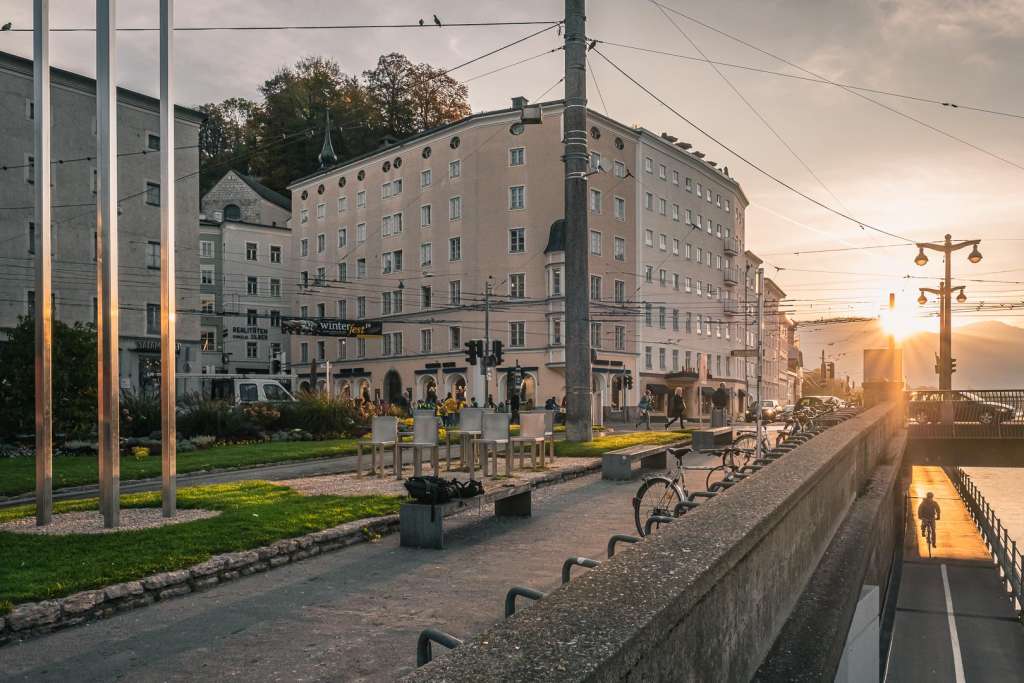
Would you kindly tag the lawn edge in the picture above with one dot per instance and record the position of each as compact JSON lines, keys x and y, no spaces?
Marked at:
{"x":29,"y":620}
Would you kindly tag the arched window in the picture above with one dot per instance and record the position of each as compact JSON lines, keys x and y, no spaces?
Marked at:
{"x":232,"y":212}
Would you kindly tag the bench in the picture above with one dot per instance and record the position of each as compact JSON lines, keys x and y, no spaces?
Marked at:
{"x":422,"y":526}
{"x":618,"y":465}
{"x":704,"y":439}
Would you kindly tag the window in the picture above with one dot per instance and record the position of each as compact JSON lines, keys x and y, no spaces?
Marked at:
{"x":321,"y":276}
{"x":517,"y":197}
{"x":718,"y":262}
{"x":516,"y":240}
{"x":391,"y":261}
{"x":361,"y":199}
{"x":251,"y":286}
{"x":454,"y":169}
{"x":425,"y":341}
{"x":455,"y":292}
{"x":689,"y":185}
{"x":675,"y":212}
{"x":688,"y":215}
{"x":516,"y":334}
{"x":152,"y":254}
{"x":455,"y":338}
{"x":556,"y":282}
{"x":275,"y":287}
{"x":342,"y":238}
{"x":718,"y":230}
{"x":517,"y":156}
{"x":361,"y":269}
{"x":700,"y":191}
{"x":153,"y":142}
{"x":426,"y":254}
{"x":206,"y":275}
{"x":425,"y":297}
{"x":426,"y":178}
{"x":303,"y":215}
{"x":455,"y":249}
{"x":517,"y":285}
{"x":675,"y":319}
{"x":708,"y":196}
{"x":321,"y":211}
{"x":321,"y":350}
{"x":595,"y":287}
{"x":648,"y":165}
{"x":661,"y":358}
{"x":727,"y":206}
{"x":662,"y":277}
{"x":620,"y":292}
{"x":675,"y":360}
{"x":595,"y":161}
{"x":661,"y":317}
{"x":361,"y":307}
{"x":619,"y":248}
{"x":30,"y":109}
{"x":700,"y":255}
{"x":700,"y":328}
{"x":648,"y":274}
{"x":595,"y":201}
{"x":620,"y":208}
{"x":689,"y":251}
{"x":342,"y":204}
{"x":206,"y":304}
{"x":391,"y":225}
{"x":205,"y":249}
{"x":675,"y":177}
{"x":360,"y":232}
{"x":361,"y":348}
{"x":648,"y":201}
{"x":662,"y":204}
{"x":343,"y":272}
{"x":391,"y":189}
{"x":718,"y":200}
{"x":649,"y":238}
{"x":455,"y":208}
{"x":619,"y":169}
{"x":648,"y":315}
{"x":208,"y":340}
{"x":620,"y":338}
{"x":648,"y":358}
{"x":663,"y":242}
{"x":556,"y":332}
{"x":304,"y":279}
{"x":595,"y":242}
{"x":252,"y":351}
{"x":689,"y":329}
{"x":342,"y":350}
{"x":275,"y":254}
{"x":425,"y":216}
{"x":251,"y":317}
{"x":304,"y":247}
{"x":662,"y":171}
{"x":595,"y":335}
{"x":689,"y":284}
{"x":304,"y":352}
{"x":385,"y":303}
{"x":675,"y":247}
{"x":699,"y":289}
{"x":153,"y":194}
{"x":250,"y":251}
{"x":152,"y":318}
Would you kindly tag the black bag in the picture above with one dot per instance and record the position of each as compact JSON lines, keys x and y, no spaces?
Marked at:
{"x":468,"y":489}
{"x":431,"y":490}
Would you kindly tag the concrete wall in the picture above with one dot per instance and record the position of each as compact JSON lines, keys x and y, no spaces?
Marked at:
{"x":705,"y":598}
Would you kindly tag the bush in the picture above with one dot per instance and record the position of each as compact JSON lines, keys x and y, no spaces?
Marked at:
{"x":321,"y":415}
{"x":216,"y":418}
{"x":140,"y":413}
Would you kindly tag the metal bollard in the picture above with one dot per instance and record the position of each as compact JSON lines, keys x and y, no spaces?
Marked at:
{"x":656,"y":519}
{"x":522,"y":591}
{"x":579,"y":561}
{"x":424,"y":655}
{"x":620,"y":538}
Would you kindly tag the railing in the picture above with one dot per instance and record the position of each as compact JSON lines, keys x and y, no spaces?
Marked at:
{"x":966,"y":414}
{"x":997,"y":538}
{"x":731,"y":246}
{"x":730,"y":276}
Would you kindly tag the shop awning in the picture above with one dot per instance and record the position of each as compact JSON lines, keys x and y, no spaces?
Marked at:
{"x":657,"y":388}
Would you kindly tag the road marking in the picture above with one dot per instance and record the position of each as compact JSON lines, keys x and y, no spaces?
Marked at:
{"x":958,"y":661}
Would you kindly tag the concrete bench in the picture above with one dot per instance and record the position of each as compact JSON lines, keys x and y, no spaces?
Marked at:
{"x":422,"y":526}
{"x":704,"y":439}
{"x":618,"y":465}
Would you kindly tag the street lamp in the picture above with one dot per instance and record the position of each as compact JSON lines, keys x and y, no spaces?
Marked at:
{"x":961,"y":298}
{"x":922,"y":299}
{"x":975,"y":255}
{"x":922,"y":258}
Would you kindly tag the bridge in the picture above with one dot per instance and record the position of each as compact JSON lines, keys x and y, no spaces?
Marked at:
{"x":811,"y":569}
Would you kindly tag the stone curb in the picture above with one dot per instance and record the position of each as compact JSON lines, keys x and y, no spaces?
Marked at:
{"x":32,"y":619}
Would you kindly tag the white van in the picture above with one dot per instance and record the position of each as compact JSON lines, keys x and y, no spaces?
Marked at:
{"x":238,"y":388}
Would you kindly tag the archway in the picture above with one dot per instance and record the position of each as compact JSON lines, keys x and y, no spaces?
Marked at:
{"x":345,"y":391}
{"x":618,"y":393}
{"x":304,"y":386}
{"x":364,"y":390}
{"x":598,"y":385}
{"x":426,"y":388}
{"x":528,"y":391}
{"x":457,"y":386}
{"x":392,"y":386}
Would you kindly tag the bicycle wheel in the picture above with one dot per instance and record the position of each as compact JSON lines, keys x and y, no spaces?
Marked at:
{"x":656,"y":496}
{"x":746,"y":440}
{"x":719,"y":468}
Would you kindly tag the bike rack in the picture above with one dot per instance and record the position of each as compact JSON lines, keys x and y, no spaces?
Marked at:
{"x":683,"y":507}
{"x":620,"y":538}
{"x":577,"y":561}
{"x":424,"y":654}
{"x":702,"y":494}
{"x":657,"y":519}
{"x":521,"y":591}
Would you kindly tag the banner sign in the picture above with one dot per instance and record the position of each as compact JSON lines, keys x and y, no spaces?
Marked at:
{"x":331,"y":327}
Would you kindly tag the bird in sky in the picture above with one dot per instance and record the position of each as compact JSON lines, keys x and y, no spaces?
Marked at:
{"x":421,"y":22}
{"x":436,"y":20}
{"x":6,"y":27}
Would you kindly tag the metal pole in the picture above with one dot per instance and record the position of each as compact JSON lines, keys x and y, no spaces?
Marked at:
{"x":946,"y":339}
{"x":106,"y":261}
{"x":485,"y":360}
{"x":760,"y":355}
{"x":168,"y":312}
{"x":892,"y":339}
{"x":577,"y":271}
{"x":44,"y":298}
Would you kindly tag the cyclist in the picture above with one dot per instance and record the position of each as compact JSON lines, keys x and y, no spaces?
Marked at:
{"x":928,"y":511}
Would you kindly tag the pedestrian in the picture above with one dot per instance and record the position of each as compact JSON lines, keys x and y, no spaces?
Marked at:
{"x":720,"y":404}
{"x":644,"y":408}
{"x":490,"y":402}
{"x":473,"y":403}
{"x":451,"y":408}
{"x":551,"y":404}
{"x":502,"y":408}
{"x":676,"y":408}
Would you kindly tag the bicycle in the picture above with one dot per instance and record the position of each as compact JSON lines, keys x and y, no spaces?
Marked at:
{"x":928,"y":528}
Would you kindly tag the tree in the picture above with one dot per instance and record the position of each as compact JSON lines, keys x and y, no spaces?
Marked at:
{"x":74,"y":379}
{"x":224,"y":139}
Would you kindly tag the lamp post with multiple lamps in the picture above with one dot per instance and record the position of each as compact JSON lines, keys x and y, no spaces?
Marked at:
{"x":945,"y":294}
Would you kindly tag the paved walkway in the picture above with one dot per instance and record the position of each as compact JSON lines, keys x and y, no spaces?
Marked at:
{"x":953,"y":619}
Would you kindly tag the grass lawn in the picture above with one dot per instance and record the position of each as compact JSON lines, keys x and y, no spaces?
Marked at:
{"x":253,"y":514}
{"x":18,"y":475}
{"x":603,"y":444}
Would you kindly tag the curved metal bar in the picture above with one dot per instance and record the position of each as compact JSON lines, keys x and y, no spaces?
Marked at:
{"x":431,"y":635}
{"x":521,"y":591}
{"x":576,"y":561}
{"x":656,"y":519}
{"x":620,"y":538}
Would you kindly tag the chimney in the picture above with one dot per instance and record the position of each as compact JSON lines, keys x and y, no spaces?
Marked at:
{"x":519,"y":102}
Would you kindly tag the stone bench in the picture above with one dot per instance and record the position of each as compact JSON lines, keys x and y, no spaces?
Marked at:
{"x":422,"y":526}
{"x":704,"y":439}
{"x":617,"y":465}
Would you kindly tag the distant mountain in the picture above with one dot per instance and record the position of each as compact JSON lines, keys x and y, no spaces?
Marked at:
{"x":988,"y":353}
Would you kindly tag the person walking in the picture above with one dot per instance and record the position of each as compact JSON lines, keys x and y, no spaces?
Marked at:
{"x":676,"y":408}
{"x":719,"y":404}
{"x":645,"y":410}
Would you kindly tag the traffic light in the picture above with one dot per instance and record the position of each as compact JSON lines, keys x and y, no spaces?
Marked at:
{"x":496,"y":351}
{"x":471,"y":352}
{"x":952,"y":365}
{"x":628,"y":381}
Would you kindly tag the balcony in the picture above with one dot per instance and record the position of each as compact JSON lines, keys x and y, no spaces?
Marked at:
{"x":731,"y":276}
{"x":731,"y":246}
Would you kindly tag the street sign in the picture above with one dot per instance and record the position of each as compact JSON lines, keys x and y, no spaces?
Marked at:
{"x":744,"y":353}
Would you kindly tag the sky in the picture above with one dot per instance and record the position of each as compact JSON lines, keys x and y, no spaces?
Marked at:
{"x":855,"y":156}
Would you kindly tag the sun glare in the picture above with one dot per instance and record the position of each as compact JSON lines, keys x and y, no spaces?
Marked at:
{"x":901,"y":323}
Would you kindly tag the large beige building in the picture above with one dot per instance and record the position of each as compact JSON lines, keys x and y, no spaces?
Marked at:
{"x":414,"y":232}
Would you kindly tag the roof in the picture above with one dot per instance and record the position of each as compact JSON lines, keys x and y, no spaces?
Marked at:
{"x":556,"y":237}
{"x":272,"y":196}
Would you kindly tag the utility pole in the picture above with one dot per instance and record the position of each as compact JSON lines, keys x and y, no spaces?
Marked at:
{"x":945,"y":294}
{"x":485,"y":359}
{"x":577,"y":267}
{"x":892,"y":340}
{"x":168,"y":294}
{"x":44,"y":299}
{"x":760,"y":356}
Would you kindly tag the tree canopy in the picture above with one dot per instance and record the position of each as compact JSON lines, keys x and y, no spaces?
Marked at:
{"x":279,"y":139}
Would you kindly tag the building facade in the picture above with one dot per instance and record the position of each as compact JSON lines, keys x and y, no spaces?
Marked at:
{"x":246,"y":281}
{"x":73,"y":101}
{"x":456,"y":234}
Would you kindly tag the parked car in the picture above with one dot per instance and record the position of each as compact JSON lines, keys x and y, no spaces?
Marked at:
{"x":820,"y":402}
{"x":769,"y":410}
{"x":926,"y":406}
{"x":786,"y":412}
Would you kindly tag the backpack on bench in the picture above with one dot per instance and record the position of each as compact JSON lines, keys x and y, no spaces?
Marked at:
{"x":435,"y":490}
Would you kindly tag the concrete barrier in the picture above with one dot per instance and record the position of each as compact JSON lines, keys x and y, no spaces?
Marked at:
{"x":706,"y":597}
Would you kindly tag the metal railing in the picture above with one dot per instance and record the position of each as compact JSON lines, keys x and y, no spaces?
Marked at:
{"x":966,"y":414}
{"x":997,"y":538}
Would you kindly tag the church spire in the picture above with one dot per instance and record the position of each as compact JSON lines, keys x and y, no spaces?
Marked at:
{"x":327,"y":155}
